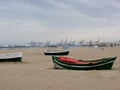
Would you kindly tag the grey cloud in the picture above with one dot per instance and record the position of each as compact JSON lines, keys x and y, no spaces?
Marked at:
{"x":95,"y":8}
{"x":58,"y":16}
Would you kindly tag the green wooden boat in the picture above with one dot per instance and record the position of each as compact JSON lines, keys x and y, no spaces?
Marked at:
{"x":11,"y":57}
{"x":73,"y":64}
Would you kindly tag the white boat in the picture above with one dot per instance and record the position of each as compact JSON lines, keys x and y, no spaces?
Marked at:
{"x":11,"y":57}
{"x":56,"y":52}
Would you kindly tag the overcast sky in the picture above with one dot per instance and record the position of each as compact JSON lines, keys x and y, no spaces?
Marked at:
{"x":41,"y":20}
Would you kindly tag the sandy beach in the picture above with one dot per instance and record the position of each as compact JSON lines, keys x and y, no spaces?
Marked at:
{"x":36,"y":71}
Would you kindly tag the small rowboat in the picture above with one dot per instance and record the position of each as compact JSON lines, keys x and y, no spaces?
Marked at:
{"x":56,"y":52}
{"x":61,"y":62}
{"x":11,"y":57}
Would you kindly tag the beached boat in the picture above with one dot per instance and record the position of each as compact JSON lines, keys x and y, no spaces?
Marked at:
{"x":56,"y":52}
{"x":11,"y":57}
{"x":61,"y":62}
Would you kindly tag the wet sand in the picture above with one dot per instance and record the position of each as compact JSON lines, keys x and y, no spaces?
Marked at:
{"x":36,"y":71}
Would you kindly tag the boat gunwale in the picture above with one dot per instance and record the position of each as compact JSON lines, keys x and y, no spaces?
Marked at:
{"x":55,"y":51}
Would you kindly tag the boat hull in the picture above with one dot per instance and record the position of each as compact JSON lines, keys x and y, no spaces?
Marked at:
{"x":17,"y":59}
{"x":57,"y":53}
{"x":103,"y":65}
